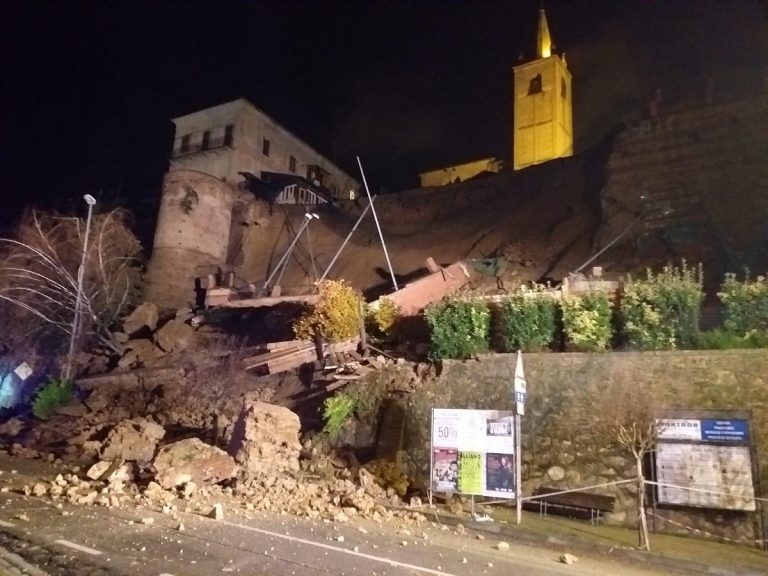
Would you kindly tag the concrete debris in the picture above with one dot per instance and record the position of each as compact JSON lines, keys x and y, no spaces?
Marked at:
{"x":265,"y":439}
{"x":568,"y":558}
{"x":502,"y":546}
{"x":134,"y":440}
{"x":95,"y":472}
{"x":157,"y":493}
{"x":145,"y":315}
{"x":12,"y":427}
{"x":191,"y":461}
{"x":188,"y":490}
{"x":139,"y":352}
{"x":217,"y":512}
{"x":74,"y":409}
{"x":388,"y":475}
{"x":23,"y":452}
{"x":175,"y":335}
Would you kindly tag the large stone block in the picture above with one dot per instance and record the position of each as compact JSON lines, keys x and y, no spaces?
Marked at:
{"x":265,"y":439}
{"x":145,"y":315}
{"x":134,"y":439}
{"x":175,"y":335}
{"x":192,"y":460}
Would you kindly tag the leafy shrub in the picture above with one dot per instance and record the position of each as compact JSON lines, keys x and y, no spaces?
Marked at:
{"x":383,"y":316}
{"x":527,"y":320}
{"x":336,"y":315}
{"x":336,"y":411}
{"x":459,"y":328}
{"x":587,"y":321}
{"x":662,"y":311}
{"x":53,"y":394}
{"x":746,"y":304}
{"x":719,"y":339}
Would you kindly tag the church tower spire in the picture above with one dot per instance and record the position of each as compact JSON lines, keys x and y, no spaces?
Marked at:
{"x":543,"y":128}
{"x":543,"y":40}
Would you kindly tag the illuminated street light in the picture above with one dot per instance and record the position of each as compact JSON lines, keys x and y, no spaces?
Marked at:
{"x":91,"y":201}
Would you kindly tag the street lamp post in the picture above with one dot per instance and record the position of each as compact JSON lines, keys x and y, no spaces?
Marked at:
{"x":91,"y":201}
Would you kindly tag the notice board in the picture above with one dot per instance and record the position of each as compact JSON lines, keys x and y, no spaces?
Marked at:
{"x":473,"y":452}
{"x":708,"y":462}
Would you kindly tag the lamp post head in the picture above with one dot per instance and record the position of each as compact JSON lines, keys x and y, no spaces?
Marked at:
{"x":90,"y":200}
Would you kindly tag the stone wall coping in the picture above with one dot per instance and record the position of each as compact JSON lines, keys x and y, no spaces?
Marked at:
{"x":615,"y":353}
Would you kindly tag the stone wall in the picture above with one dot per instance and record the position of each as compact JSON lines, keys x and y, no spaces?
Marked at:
{"x":558,"y":452}
{"x":697,"y":167}
{"x":193,"y":229}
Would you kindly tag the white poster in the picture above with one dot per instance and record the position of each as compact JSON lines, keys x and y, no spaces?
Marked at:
{"x":703,"y":469}
{"x":473,"y":452}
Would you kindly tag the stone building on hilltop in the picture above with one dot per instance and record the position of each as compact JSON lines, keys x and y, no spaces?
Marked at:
{"x":238,"y":142}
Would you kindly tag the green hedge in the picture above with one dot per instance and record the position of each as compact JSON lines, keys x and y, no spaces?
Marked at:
{"x":459,"y":328}
{"x":745,"y":303}
{"x":662,"y":311}
{"x":658,"y":312}
{"x":527,"y":320}
{"x":587,"y":321}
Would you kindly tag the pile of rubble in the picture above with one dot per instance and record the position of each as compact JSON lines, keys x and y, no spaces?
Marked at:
{"x":145,"y":344}
{"x":264,"y":468}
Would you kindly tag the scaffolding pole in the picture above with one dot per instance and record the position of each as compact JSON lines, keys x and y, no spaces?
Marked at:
{"x":346,"y":240}
{"x":307,"y":219}
{"x":376,"y":219}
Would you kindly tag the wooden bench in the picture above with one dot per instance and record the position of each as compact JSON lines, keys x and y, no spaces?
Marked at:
{"x":586,"y":505}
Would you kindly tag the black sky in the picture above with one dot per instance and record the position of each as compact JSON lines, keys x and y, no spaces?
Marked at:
{"x":89,"y":87}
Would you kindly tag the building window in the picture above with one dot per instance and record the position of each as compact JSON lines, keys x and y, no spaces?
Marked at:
{"x":535,"y":86}
{"x":292,"y":164}
{"x":184,"y":146}
{"x":265,"y":147}
{"x":563,"y":88}
{"x":206,"y":140}
{"x":229,"y":132}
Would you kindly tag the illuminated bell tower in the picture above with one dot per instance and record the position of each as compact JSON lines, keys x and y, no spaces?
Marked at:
{"x":543,"y":120}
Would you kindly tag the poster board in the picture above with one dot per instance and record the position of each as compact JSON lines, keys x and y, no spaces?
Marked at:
{"x":709,"y":458}
{"x":473,"y":452}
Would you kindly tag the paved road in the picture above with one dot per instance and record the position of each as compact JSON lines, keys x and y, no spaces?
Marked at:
{"x":96,"y":541}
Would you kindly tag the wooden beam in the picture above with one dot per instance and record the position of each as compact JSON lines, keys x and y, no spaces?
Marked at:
{"x":263,"y":302}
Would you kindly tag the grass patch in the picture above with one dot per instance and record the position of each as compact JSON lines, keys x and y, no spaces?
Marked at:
{"x":690,"y":549}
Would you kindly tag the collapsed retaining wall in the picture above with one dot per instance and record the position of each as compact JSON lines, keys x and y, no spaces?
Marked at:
{"x":555,"y":453}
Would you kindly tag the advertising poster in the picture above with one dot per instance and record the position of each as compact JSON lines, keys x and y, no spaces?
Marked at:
{"x":473,"y":452}
{"x":499,"y":473}
{"x":445,"y":470}
{"x":470,"y":472}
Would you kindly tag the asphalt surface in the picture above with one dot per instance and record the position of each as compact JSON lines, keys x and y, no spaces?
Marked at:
{"x":93,"y":540}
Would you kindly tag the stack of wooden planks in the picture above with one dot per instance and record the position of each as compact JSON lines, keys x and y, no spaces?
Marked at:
{"x":283,"y":356}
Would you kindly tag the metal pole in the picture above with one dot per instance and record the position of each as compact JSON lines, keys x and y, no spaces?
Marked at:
{"x":91,"y":201}
{"x":287,"y":253}
{"x":346,"y":240}
{"x":518,"y":471}
{"x":310,"y":215}
{"x":611,"y":243}
{"x":376,"y":219}
{"x":311,"y":255}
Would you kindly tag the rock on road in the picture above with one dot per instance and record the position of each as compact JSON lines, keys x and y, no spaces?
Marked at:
{"x":99,"y":541}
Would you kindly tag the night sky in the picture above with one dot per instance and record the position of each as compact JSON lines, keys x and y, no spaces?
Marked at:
{"x":89,"y":87}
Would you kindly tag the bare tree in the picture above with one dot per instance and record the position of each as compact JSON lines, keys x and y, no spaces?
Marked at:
{"x":621,"y":414}
{"x":39,"y":269}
